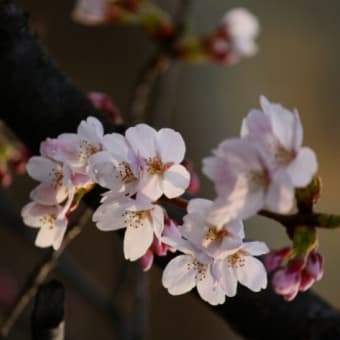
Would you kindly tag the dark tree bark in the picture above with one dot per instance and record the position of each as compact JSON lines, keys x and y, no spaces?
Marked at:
{"x":47,"y":321}
{"x":39,"y":101}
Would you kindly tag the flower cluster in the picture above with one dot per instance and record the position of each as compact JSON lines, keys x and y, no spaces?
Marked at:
{"x":62,"y":170}
{"x":143,"y":169}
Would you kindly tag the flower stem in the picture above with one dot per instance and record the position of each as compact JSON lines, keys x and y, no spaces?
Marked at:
{"x":40,"y":273}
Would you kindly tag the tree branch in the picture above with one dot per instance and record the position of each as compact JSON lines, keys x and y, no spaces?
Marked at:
{"x":36,"y":93}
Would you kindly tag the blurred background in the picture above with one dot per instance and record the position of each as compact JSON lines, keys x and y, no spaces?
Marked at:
{"x":297,"y":65}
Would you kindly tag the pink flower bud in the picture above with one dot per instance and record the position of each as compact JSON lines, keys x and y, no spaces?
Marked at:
{"x":307,"y":281}
{"x":273,"y":259}
{"x":195,"y":183}
{"x":147,"y":260}
{"x":286,"y":282}
{"x":104,"y":103}
{"x":314,"y":266}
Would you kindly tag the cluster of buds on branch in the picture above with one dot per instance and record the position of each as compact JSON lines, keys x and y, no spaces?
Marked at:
{"x":265,"y":171}
{"x":234,"y":37}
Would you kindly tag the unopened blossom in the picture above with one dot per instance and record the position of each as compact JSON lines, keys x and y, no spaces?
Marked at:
{"x":244,"y":182}
{"x":160,"y":154}
{"x":51,"y":223}
{"x":241,"y":266}
{"x":105,"y":103}
{"x":218,"y":239}
{"x":142,"y":220}
{"x":278,"y":131}
{"x":297,"y":275}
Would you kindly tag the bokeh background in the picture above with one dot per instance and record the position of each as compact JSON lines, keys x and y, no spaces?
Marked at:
{"x":297,"y":65}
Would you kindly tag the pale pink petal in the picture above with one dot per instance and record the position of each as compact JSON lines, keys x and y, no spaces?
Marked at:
{"x":41,"y":169}
{"x":142,"y":139}
{"x":199,"y":205}
{"x":256,"y":124}
{"x":45,"y":237}
{"x":158,"y":220}
{"x":104,"y":172}
{"x":176,"y":180}
{"x":255,"y":248}
{"x":226,"y":277}
{"x":137,"y":240}
{"x":48,"y":193}
{"x":252,"y":274}
{"x":150,"y":187}
{"x":236,"y":228}
{"x":209,"y":290}
{"x":92,"y":130}
{"x":280,"y":194}
{"x":117,"y":145}
{"x":109,"y":216}
{"x":179,"y":275}
{"x":283,"y":123}
{"x":33,"y":214}
{"x":170,"y":145}
{"x":303,"y":168}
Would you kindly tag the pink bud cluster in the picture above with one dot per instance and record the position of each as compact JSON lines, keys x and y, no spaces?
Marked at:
{"x":292,"y":275}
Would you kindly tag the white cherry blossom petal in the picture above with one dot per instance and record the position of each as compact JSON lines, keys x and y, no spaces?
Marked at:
{"x":171,"y":146}
{"x":210,"y":290}
{"x":255,"y":248}
{"x":280,"y":195}
{"x":109,"y":216}
{"x":302,"y":169}
{"x":179,"y":275}
{"x":42,"y":169}
{"x":142,"y":139}
{"x":48,"y":193}
{"x":158,"y":220}
{"x":137,"y":240}
{"x":252,"y":274}
{"x":92,"y":130}
{"x":150,"y":187}
{"x":176,"y":179}
{"x":226,"y":277}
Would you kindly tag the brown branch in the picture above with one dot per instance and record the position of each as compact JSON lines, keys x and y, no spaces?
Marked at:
{"x":41,"y":273}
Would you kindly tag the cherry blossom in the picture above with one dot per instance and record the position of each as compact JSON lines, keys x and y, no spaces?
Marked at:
{"x":117,"y":167}
{"x":241,"y":266}
{"x":49,"y":219}
{"x":91,"y":12}
{"x":142,"y":220}
{"x":279,"y":133}
{"x":218,"y":239}
{"x":236,"y":35}
{"x":244,"y":182}
{"x":160,"y":153}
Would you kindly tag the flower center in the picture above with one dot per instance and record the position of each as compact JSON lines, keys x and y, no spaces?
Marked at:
{"x":214,"y":234}
{"x":283,"y":156}
{"x":236,"y":260}
{"x":154,"y":166}
{"x":86,"y":150}
{"x":200,"y":268}
{"x":48,"y":220}
{"x":125,"y":173}
{"x":134,"y":219}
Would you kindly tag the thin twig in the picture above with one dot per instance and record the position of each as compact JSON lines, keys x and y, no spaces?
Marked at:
{"x":39,"y":275}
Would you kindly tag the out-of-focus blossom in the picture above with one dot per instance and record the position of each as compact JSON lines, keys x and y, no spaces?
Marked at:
{"x":104,"y":103}
{"x":244,"y":182}
{"x":279,"y":133}
{"x":195,"y":183}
